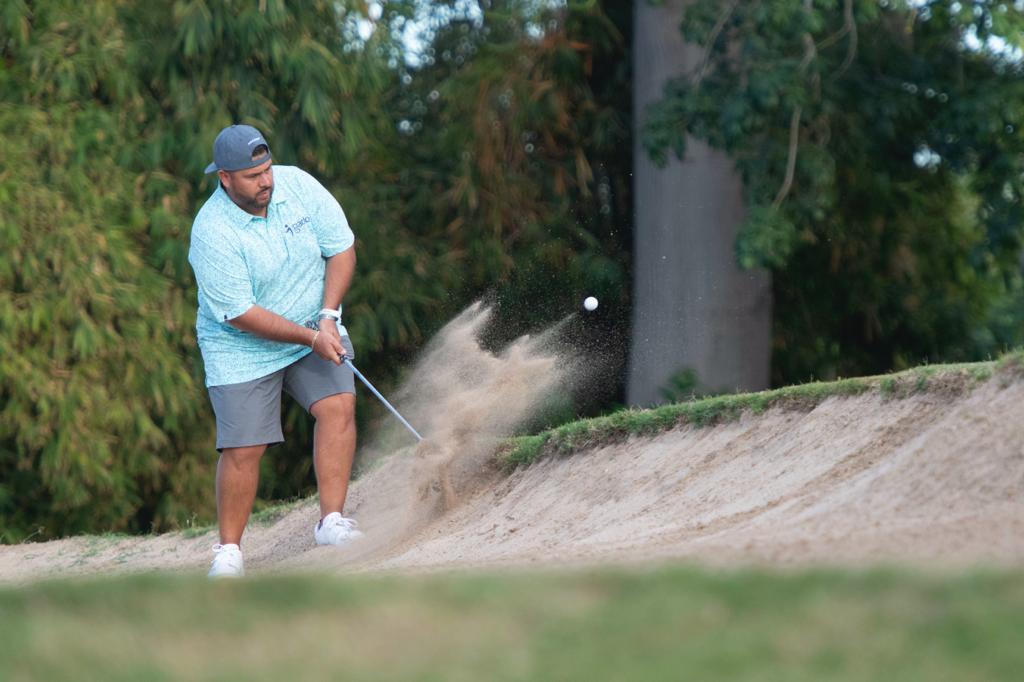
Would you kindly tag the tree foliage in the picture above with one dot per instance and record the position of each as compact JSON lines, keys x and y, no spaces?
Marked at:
{"x":101,"y":422}
{"x":514,"y":144}
{"x":882,"y":151}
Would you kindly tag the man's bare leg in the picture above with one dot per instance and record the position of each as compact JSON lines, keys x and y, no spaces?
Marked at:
{"x":334,"y":446}
{"x":238,"y":474}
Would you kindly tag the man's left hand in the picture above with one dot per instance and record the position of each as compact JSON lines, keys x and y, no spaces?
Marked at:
{"x":330,"y":327}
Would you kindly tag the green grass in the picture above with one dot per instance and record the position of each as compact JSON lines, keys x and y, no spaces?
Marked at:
{"x":664,"y":624}
{"x":264,"y":514}
{"x":575,"y":436}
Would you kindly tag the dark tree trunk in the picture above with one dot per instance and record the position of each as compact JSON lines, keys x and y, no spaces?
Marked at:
{"x":694,"y":308}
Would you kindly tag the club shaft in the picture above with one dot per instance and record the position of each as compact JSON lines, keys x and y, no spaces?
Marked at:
{"x":382,"y":399}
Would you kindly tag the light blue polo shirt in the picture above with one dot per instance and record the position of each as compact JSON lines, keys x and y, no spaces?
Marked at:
{"x":241,"y":260}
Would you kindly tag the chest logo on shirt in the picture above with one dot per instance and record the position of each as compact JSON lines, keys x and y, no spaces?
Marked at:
{"x":297,"y":226}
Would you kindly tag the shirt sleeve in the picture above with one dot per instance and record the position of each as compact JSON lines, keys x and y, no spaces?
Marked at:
{"x":330,"y":225}
{"x":225,"y":290}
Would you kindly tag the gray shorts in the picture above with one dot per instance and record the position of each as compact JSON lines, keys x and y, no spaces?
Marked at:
{"x":249,"y":413}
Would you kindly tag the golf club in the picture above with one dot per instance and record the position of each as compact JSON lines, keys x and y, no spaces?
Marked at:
{"x":343,"y":333}
{"x":382,"y":399}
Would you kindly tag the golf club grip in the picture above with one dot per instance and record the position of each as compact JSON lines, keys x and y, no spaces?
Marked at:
{"x":346,"y":341}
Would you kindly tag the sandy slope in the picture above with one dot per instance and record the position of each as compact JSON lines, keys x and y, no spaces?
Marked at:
{"x":929,"y":479}
{"x":935,"y":479}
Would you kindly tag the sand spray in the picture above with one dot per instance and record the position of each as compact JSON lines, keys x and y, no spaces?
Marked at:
{"x":464,"y":400}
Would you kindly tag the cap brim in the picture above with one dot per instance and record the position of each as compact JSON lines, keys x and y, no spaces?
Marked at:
{"x":212,"y":168}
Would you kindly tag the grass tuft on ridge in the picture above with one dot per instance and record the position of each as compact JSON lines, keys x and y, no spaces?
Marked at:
{"x":946,"y":379}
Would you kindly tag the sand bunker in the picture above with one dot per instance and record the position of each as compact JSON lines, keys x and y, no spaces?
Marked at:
{"x":931,"y":479}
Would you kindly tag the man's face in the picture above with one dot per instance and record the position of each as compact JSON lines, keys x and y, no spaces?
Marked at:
{"x":251,"y":188}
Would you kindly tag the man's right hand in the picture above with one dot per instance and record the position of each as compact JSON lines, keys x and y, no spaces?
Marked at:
{"x":328,"y":346}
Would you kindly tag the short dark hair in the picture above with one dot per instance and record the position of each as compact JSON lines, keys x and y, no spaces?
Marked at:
{"x":260,"y":150}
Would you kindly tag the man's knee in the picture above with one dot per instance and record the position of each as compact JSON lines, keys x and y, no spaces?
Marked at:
{"x":244,"y":457}
{"x":338,"y":409}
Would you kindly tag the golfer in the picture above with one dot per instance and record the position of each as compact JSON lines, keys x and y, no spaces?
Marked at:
{"x":273,"y":256}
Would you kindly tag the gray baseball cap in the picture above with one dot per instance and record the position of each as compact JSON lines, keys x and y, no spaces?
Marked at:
{"x":232,"y":150}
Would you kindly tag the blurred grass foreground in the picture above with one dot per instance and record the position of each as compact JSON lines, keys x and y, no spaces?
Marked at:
{"x":661,"y":624}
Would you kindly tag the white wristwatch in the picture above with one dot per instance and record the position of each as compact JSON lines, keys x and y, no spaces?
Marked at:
{"x":329,"y":314}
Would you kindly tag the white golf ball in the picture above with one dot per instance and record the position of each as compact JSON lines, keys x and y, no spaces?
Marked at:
{"x":590,"y":303}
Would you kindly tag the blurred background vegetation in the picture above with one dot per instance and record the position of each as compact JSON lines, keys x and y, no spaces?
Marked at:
{"x":479,"y":148}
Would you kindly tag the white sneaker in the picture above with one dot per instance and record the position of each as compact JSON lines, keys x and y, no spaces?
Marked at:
{"x":335,"y":529}
{"x":227,"y":562}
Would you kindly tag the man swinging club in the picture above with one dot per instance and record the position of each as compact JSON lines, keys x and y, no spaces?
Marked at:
{"x":273,"y":256}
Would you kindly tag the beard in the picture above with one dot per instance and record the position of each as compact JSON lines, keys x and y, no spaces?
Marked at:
{"x":262,"y":199}
{"x":255,"y":203}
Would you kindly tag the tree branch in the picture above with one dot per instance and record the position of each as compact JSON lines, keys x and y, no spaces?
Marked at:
{"x":712,"y":37}
{"x":841,"y":33}
{"x":850,"y":26}
{"x":794,"y":140}
{"x":794,"y":121}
